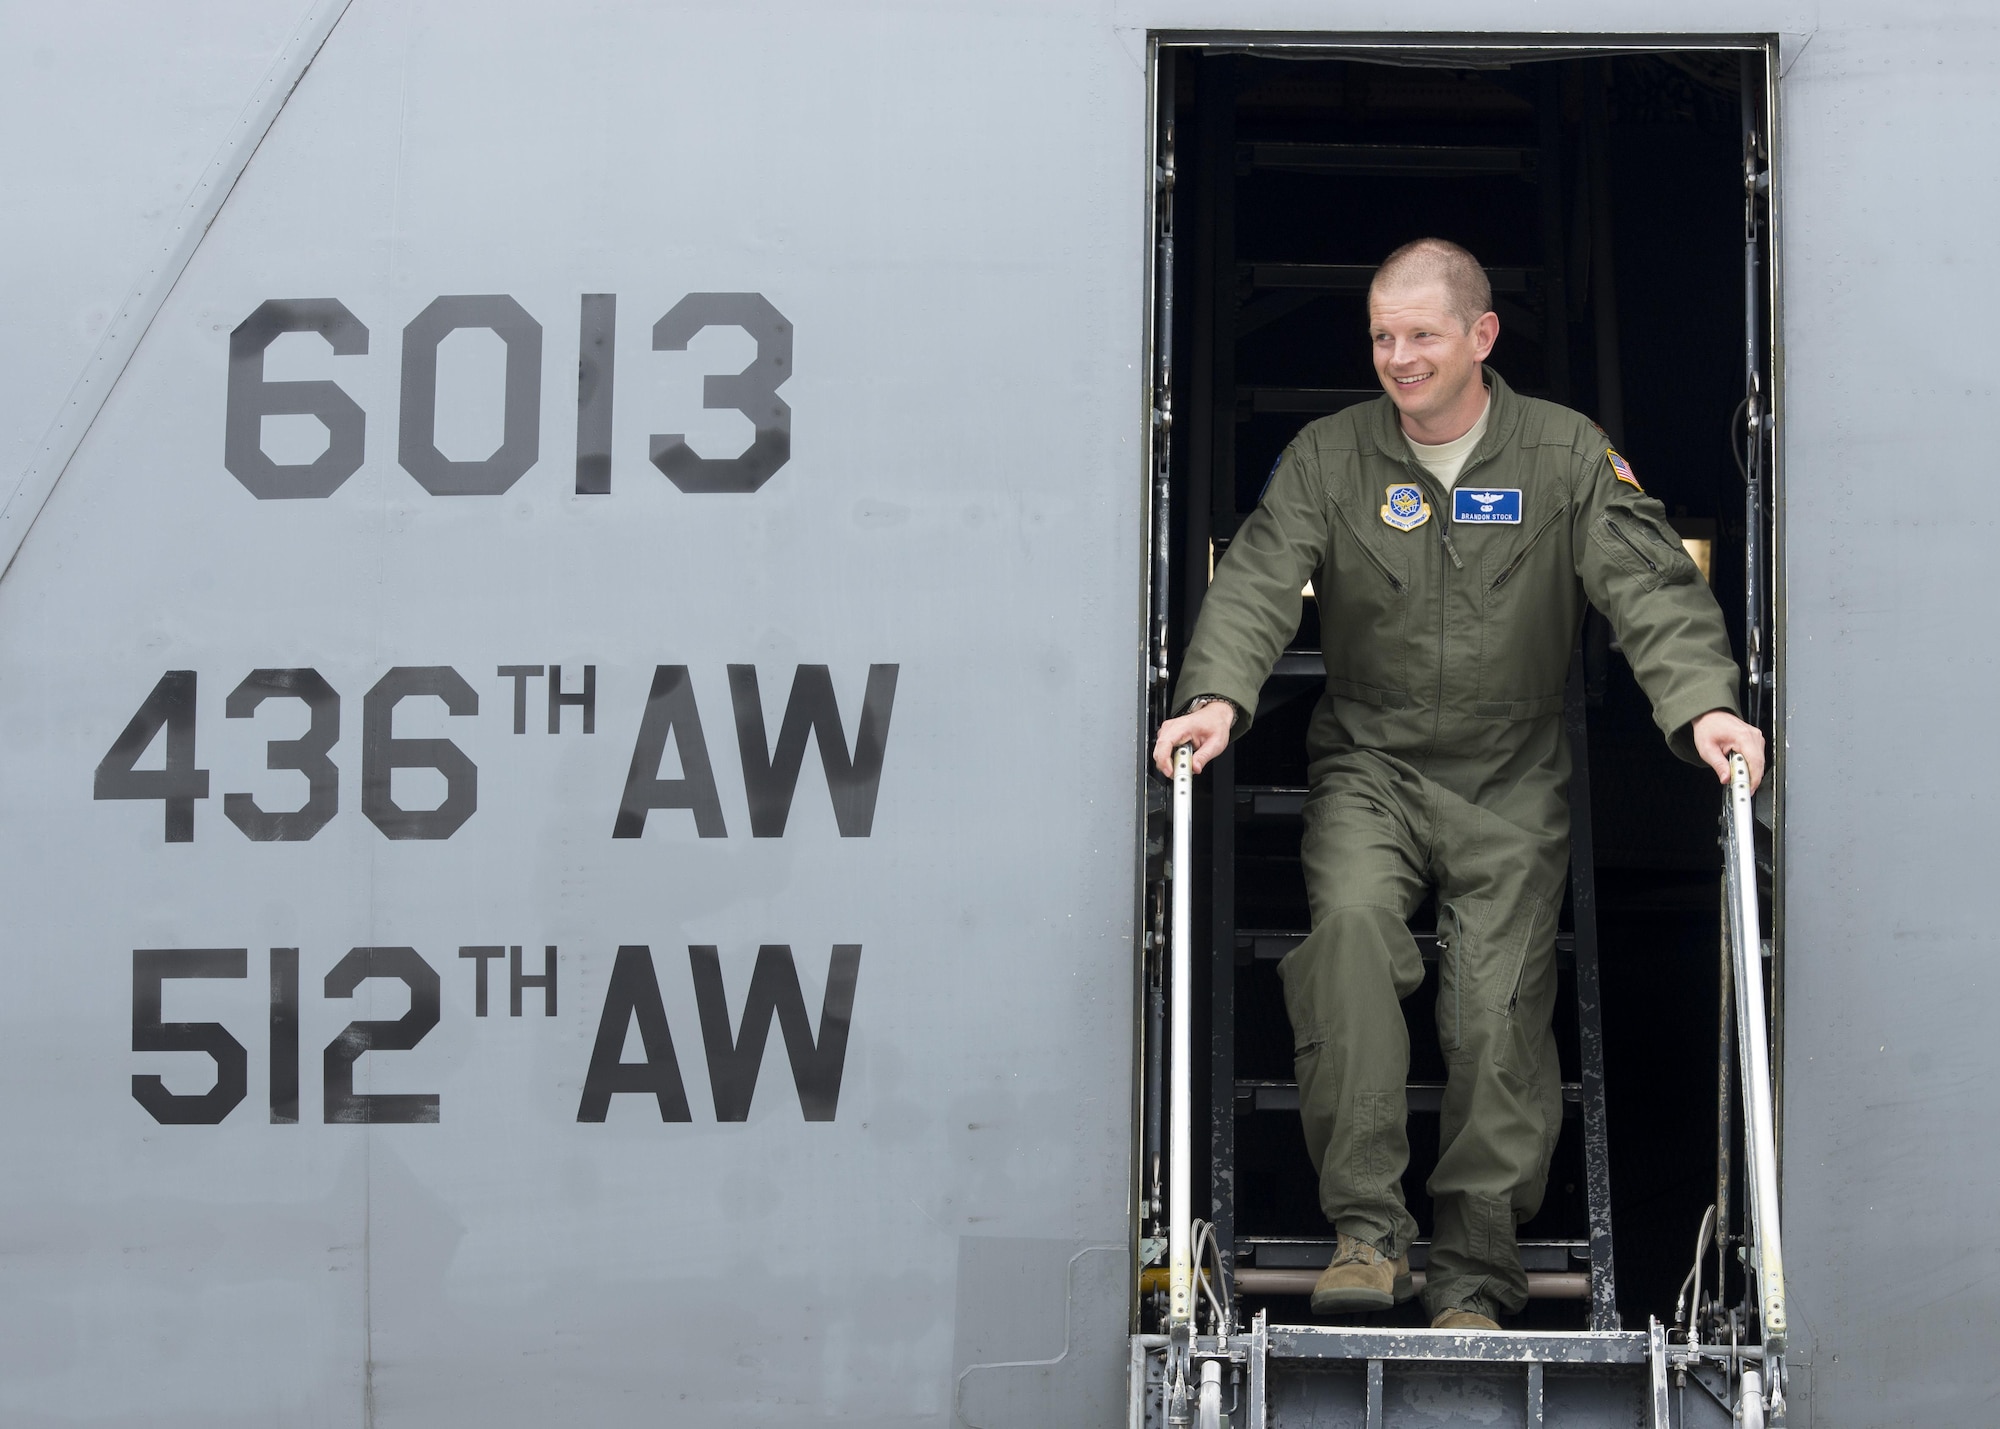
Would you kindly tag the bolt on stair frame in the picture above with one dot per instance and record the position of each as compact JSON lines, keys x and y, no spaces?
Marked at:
{"x":1765,"y":1259}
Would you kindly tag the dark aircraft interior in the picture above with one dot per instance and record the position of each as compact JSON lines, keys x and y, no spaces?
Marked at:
{"x":1606,"y":196}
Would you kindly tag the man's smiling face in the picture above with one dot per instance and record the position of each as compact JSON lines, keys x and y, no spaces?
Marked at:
{"x":1427,"y":360}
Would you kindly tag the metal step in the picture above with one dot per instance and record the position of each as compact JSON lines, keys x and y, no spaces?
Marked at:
{"x":1440,"y":161}
{"x":1349,"y":278}
{"x":1550,"y":1378}
{"x":1269,"y":945}
{"x":1313,"y":1253}
{"x":1270,"y":801}
{"x":1564,"y":1282}
{"x":1257,"y":1280}
{"x":1332,"y":1344}
{"x":1302,"y":401}
{"x":1424,"y":1098}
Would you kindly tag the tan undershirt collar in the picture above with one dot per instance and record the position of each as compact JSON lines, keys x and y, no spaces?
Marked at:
{"x":1445,"y":460}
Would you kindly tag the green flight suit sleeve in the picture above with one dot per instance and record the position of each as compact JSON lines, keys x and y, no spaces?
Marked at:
{"x":1252,"y":607}
{"x":1635,"y":570}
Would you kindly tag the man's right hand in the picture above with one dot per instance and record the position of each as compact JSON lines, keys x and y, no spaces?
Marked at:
{"x":1206,"y":728}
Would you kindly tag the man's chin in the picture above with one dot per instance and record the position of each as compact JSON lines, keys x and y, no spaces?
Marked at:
{"x":1409,"y":403}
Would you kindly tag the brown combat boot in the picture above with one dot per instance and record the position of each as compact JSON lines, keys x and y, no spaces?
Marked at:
{"x":1462,"y":1319}
{"x":1361,"y":1278}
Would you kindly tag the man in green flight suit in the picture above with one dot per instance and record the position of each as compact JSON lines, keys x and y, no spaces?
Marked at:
{"x":1453,"y":531}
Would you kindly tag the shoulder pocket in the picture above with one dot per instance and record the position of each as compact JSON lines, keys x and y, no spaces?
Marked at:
{"x":1636,"y":545}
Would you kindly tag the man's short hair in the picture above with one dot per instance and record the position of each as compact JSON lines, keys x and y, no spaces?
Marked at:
{"x":1438,"y":260}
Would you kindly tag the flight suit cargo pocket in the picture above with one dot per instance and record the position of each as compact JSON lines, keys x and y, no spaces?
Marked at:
{"x":1320,"y":812}
{"x":1504,"y":992}
{"x":1636,"y":545}
{"x":1484,"y":958}
{"x":1321,"y":808}
{"x":1308,"y":1028}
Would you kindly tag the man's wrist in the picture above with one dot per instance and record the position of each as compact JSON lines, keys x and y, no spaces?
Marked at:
{"x":1200,"y":701}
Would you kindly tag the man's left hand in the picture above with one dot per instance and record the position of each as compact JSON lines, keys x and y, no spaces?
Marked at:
{"x":1719,"y":734}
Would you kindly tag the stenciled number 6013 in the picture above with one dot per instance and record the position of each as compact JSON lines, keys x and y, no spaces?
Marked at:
{"x":253,"y":397}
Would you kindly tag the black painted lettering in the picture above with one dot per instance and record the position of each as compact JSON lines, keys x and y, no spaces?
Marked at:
{"x":382,"y":753}
{"x":520,"y":443}
{"x":150,"y":967}
{"x":520,"y":675}
{"x":753,"y":392}
{"x":670,"y":709}
{"x":596,"y":354}
{"x":251,"y":399}
{"x":517,"y":981}
{"x":771,"y":777}
{"x":284,"y":1059}
{"x":307,"y":754}
{"x":342,"y":1104}
{"x":634,"y":992}
{"x":586,"y":698}
{"x":734,"y":1058}
{"x":481,"y":957}
{"x":177,"y":784}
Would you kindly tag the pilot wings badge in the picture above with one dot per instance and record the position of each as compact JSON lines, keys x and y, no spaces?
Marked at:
{"x":1407,"y":508}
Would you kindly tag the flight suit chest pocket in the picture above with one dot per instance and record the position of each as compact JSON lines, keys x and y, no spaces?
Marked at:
{"x":1637,"y":546}
{"x":1365,"y":603}
{"x":1507,"y":564}
{"x":1356,"y":549}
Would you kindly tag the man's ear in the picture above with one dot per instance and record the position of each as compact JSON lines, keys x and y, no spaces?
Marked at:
{"x":1485,"y":332}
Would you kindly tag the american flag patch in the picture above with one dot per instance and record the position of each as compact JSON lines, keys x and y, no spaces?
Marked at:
{"x":1623,"y":469}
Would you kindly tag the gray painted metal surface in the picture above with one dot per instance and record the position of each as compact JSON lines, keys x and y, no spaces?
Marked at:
{"x":946,"y":207}
{"x":498,"y":1259}
{"x":1891,"y":1138}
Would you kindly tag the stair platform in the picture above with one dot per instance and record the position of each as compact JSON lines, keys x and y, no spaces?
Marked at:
{"x":1337,"y":1377}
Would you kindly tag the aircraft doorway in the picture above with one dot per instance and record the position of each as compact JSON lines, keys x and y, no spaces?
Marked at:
{"x":1605,"y":193}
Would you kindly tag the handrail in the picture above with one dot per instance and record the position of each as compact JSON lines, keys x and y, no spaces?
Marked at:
{"x":1180,"y":1037}
{"x":1761,"y":1168}
{"x":1177,"y":1386}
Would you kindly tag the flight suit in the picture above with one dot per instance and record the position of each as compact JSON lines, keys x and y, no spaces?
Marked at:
{"x":1438,"y":759}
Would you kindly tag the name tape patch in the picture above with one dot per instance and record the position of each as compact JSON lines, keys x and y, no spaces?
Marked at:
{"x":1475,"y":506}
{"x":1406,"y":508}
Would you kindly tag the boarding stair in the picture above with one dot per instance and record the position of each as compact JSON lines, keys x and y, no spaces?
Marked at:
{"x":1211,"y":1368}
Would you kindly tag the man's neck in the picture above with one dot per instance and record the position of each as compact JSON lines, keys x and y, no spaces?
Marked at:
{"x":1463,"y":417}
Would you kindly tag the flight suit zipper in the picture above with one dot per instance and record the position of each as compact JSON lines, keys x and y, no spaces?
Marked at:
{"x":1444,"y":531}
{"x":1522,"y":555}
{"x":1395,"y":582}
{"x":1619,"y":531}
{"x":1443,"y":509}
